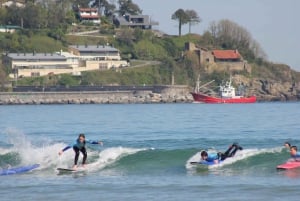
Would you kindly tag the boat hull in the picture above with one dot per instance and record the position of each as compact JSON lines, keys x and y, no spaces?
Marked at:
{"x":198,"y":97}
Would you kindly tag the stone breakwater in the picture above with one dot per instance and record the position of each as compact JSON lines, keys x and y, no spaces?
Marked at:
{"x":173,"y":94}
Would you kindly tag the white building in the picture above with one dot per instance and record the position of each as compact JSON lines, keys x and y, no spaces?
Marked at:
{"x":19,"y":4}
{"x":98,"y":56}
{"x":77,"y":60}
{"x":89,"y":15}
{"x":98,"y":52}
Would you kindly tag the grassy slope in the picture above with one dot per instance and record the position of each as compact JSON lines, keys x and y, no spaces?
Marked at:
{"x":160,"y":74}
{"x":45,"y":44}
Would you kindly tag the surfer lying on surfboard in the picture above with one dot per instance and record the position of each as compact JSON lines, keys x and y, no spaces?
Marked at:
{"x":230,"y":152}
{"x":293,"y":162}
{"x":295,"y":155}
{"x":79,"y":146}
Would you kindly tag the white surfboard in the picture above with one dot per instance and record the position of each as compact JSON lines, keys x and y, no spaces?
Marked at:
{"x":70,"y":170}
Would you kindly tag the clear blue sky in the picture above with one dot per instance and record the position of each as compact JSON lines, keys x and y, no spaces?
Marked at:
{"x":274,"y":24}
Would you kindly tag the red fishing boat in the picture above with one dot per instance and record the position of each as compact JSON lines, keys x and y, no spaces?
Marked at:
{"x":226,"y":95}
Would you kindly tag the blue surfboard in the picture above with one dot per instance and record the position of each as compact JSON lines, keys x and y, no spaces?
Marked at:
{"x":205,"y":163}
{"x":17,"y":170}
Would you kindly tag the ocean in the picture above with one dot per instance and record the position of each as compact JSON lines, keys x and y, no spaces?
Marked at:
{"x":147,"y":151}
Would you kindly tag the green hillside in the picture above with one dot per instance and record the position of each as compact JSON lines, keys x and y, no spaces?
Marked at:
{"x":168,"y":50}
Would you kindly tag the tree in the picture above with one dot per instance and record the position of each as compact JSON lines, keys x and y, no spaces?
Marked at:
{"x":229,"y":35}
{"x":128,"y":7}
{"x":3,"y":14}
{"x":105,"y":7}
{"x":30,"y":1}
{"x":81,"y":3}
{"x":109,"y":9}
{"x":57,"y":15}
{"x":13,"y":16}
{"x":193,"y":18}
{"x":70,"y":17}
{"x":3,"y":78}
{"x":34,"y":16}
{"x":126,"y":36}
{"x":181,"y":17}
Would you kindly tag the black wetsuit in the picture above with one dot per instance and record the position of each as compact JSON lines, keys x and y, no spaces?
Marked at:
{"x":230,"y":152}
{"x":84,"y":153}
{"x":80,"y":147}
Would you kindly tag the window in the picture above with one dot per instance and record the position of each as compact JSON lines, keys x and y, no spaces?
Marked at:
{"x":35,"y":74}
{"x":103,"y":66}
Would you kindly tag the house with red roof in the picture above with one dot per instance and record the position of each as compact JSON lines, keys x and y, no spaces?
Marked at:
{"x":89,"y":15}
{"x":217,"y":60}
{"x":226,"y":56}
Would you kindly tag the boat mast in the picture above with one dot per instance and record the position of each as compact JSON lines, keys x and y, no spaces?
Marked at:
{"x":197,"y":87}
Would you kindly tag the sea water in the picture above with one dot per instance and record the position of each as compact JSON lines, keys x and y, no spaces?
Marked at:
{"x":147,"y":151}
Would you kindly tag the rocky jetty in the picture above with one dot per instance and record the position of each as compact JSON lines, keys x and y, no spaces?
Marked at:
{"x":172,"y":94}
{"x":264,"y":90}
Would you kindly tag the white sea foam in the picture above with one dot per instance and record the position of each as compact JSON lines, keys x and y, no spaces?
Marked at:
{"x":240,"y":155}
{"x":46,"y":154}
{"x":5,"y":150}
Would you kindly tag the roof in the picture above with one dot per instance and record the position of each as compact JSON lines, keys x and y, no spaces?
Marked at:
{"x":93,"y":48}
{"x":129,"y":20}
{"x":67,"y":54}
{"x":226,"y":54}
{"x":10,"y":27}
{"x":138,"y":16}
{"x":89,"y":16}
{"x":88,"y":9}
{"x":36,"y":56}
{"x":12,"y":3}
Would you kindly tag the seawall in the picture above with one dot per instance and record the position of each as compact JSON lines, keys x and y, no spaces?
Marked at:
{"x":171,"y":94}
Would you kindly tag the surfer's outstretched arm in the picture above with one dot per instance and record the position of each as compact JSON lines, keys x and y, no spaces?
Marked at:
{"x":64,"y":149}
{"x":94,"y":142}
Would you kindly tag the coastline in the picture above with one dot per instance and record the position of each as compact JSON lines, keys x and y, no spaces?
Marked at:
{"x":171,"y":94}
{"x":165,"y":94}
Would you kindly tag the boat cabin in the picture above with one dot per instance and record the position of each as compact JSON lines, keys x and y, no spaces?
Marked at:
{"x":227,"y":91}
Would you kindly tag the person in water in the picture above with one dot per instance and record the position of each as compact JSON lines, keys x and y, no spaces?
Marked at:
{"x":221,"y":156}
{"x":287,"y":145}
{"x":79,"y":146}
{"x":294,"y":153}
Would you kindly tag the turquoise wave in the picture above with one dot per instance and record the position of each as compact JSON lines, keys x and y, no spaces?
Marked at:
{"x":160,"y":161}
{"x":9,"y":159}
{"x":174,"y":161}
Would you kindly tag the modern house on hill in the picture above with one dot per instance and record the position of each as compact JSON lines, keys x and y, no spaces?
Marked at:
{"x":100,"y":52}
{"x":78,"y":59}
{"x":38,"y":64}
{"x":134,"y":21}
{"x":98,"y":56}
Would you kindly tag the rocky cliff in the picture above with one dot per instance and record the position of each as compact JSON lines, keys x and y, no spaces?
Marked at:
{"x":271,"y":89}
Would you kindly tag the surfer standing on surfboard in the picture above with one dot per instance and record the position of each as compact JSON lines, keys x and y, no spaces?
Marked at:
{"x":79,"y":146}
{"x":221,"y":156}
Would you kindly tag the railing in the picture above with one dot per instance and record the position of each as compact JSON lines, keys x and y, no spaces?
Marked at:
{"x":155,"y":89}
